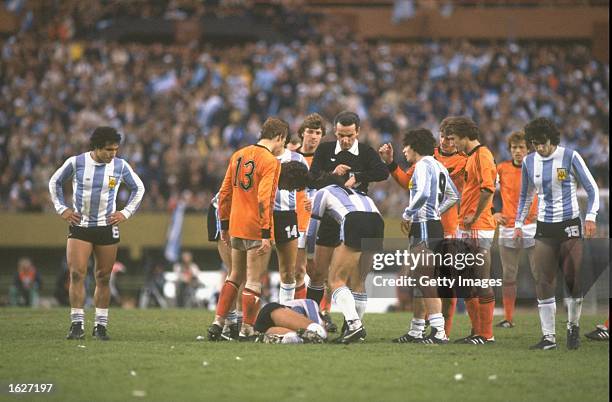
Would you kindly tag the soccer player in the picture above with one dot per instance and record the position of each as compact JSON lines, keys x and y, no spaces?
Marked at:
{"x":355,"y":165}
{"x":93,"y":218}
{"x":245,"y":209}
{"x":432,"y":193}
{"x":553,"y":172}
{"x":359,"y":219}
{"x":286,"y":231}
{"x":297,"y":321}
{"x":476,"y":223}
{"x":506,"y":204}
{"x":231,"y":328}
{"x":454,"y":162}
{"x":310,"y":132}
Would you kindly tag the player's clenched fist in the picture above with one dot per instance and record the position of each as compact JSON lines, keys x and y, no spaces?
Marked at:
{"x":386,"y":153}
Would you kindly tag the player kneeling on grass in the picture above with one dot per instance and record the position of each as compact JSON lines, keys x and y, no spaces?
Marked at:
{"x":295,"y":321}
{"x":359,"y":219}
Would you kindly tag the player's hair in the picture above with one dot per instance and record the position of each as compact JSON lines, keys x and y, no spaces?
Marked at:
{"x":421,"y":140}
{"x":103,"y":136}
{"x":461,"y":126}
{"x":273,"y":127}
{"x":293,"y":176}
{"x":542,"y":129}
{"x":347,"y":118}
{"x":516,"y":137}
{"x":313,"y":121}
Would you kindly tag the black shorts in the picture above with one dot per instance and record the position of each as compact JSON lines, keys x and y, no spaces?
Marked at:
{"x":99,"y":235}
{"x":329,"y":232}
{"x":431,"y":232}
{"x":285,"y":226}
{"x":263,"y":322}
{"x":570,"y":229}
{"x":211,"y":224}
{"x":367,"y":226}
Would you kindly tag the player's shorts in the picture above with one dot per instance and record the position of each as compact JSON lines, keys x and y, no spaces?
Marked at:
{"x":479,"y":238}
{"x":302,"y":240}
{"x":358,"y":226}
{"x":305,"y":307}
{"x":429,"y":232}
{"x":244,"y":244}
{"x":329,"y":232}
{"x":285,"y":226}
{"x":506,"y":237}
{"x":569,"y":229}
{"x":213,"y":224}
{"x":98,"y":235}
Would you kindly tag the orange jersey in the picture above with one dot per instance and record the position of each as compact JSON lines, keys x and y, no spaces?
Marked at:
{"x":303,"y":216}
{"x":247,"y":194}
{"x":480,"y":174}
{"x":455,"y":164}
{"x":509,"y":177}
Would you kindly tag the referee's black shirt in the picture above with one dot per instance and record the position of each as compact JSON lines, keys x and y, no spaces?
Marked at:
{"x":367,"y":166}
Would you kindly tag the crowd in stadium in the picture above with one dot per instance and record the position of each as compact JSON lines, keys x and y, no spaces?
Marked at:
{"x":185,"y":109}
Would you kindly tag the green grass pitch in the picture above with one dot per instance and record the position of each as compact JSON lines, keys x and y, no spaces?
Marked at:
{"x":153,"y":355}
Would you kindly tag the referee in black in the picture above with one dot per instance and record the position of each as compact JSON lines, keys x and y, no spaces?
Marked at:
{"x":349,"y":162}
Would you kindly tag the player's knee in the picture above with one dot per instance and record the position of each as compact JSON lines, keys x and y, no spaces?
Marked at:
{"x":287,"y":276}
{"x":102,"y":278}
{"x":76,"y":277}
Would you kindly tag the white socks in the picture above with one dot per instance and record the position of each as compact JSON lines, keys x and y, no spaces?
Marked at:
{"x":547,"y":309}
{"x":361,"y":302}
{"x":437,"y":321}
{"x":345,"y":301}
{"x":286,"y":293}
{"x":574,"y":311}
{"x":101,"y":316}
{"x":77,"y":315}
{"x":417,"y":327}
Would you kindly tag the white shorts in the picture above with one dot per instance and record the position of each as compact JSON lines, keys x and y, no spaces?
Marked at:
{"x":482,"y":238}
{"x":302,"y":240}
{"x":506,"y":236}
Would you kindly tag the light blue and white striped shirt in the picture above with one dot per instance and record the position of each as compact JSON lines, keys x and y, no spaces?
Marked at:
{"x":285,"y":199}
{"x":432,"y":191}
{"x":555,"y":178}
{"x":337,"y":202}
{"x":95,"y":186}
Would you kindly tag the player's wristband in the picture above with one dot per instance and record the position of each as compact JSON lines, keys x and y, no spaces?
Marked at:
{"x":225,"y":225}
{"x":392,"y":166}
{"x":265,"y":233}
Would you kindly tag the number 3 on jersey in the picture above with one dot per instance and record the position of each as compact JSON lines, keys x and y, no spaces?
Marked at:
{"x":247,"y":169}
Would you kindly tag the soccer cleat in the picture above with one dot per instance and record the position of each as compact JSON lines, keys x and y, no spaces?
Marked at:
{"x":433,"y":339}
{"x":599,"y":334}
{"x":505,"y":324}
{"x":328,"y":323}
{"x":248,"y":338}
{"x":466,"y":340}
{"x":100,"y":334}
{"x":268,"y":338}
{"x":352,"y":335}
{"x":481,"y":340}
{"x":406,"y":338}
{"x":546,"y":343}
{"x":76,"y":331}
{"x":573,"y":337}
{"x":231,"y":333}
{"x":309,"y":336}
{"x":214,"y":333}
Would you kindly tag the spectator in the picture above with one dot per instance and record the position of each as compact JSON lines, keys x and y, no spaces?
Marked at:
{"x":187,"y":273}
{"x":26,"y":285}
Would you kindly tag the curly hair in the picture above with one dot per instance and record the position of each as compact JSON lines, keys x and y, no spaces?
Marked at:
{"x":421,"y":141}
{"x":517,"y":137}
{"x":103,"y":136}
{"x":542,"y":129}
{"x":460,"y":126}
{"x":293,"y":176}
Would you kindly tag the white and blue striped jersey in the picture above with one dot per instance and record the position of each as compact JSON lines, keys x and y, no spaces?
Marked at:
{"x":95,"y":187}
{"x":336,"y":202}
{"x":306,"y":307}
{"x":432,"y":191}
{"x":285,"y":199}
{"x":555,"y":178}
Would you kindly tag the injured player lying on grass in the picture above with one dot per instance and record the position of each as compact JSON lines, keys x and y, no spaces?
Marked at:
{"x":297,"y":321}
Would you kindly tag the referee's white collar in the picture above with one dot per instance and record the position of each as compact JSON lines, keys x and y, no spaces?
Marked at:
{"x":354,"y":149}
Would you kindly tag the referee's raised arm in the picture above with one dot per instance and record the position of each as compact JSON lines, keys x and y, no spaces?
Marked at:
{"x":346,"y":161}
